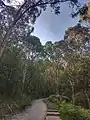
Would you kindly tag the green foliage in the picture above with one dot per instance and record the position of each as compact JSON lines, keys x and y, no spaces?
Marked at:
{"x":10,"y":106}
{"x":70,"y":112}
{"x":30,"y":71}
{"x":50,"y":104}
{"x":24,"y":101}
{"x":17,"y":20}
{"x":52,"y":98}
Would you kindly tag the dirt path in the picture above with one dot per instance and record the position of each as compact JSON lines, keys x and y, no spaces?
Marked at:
{"x":36,"y":112}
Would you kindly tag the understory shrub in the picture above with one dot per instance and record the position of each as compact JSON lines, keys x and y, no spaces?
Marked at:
{"x":12,"y":106}
{"x":71,"y":112}
{"x":24,"y":101}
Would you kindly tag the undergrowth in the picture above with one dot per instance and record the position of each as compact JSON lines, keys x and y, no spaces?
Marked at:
{"x":12,"y":106}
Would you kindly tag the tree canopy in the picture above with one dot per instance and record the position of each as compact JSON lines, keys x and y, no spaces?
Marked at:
{"x":16,"y":20}
{"x":30,"y":70}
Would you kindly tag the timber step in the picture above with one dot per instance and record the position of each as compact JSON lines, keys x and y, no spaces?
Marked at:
{"x":52,"y":114}
{"x":52,"y":118}
{"x":52,"y":110}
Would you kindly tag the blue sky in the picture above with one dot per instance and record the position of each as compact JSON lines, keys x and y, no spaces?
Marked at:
{"x":50,"y":27}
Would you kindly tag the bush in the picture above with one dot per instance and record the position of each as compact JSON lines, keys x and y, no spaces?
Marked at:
{"x":9,"y":106}
{"x":80,"y":100}
{"x":50,"y":104}
{"x":70,"y":112}
{"x":52,"y":98}
{"x":24,"y":101}
{"x":55,"y":98}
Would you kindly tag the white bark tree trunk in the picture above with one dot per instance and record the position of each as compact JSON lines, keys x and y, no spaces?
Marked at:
{"x":73,"y":95}
{"x":87,"y":97}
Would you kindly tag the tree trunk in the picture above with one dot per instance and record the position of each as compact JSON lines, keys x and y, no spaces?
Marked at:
{"x":24,"y":76}
{"x":5,"y":41}
{"x":87,"y":97}
{"x":2,"y":49}
{"x":73,"y":96}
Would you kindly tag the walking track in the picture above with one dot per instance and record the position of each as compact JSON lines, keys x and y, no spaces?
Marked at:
{"x":38,"y":111}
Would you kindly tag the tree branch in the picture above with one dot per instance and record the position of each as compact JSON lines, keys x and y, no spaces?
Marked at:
{"x":18,"y":12}
{"x":37,"y":4}
{"x":30,"y":7}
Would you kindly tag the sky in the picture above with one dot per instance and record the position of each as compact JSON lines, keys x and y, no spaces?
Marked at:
{"x":50,"y":27}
